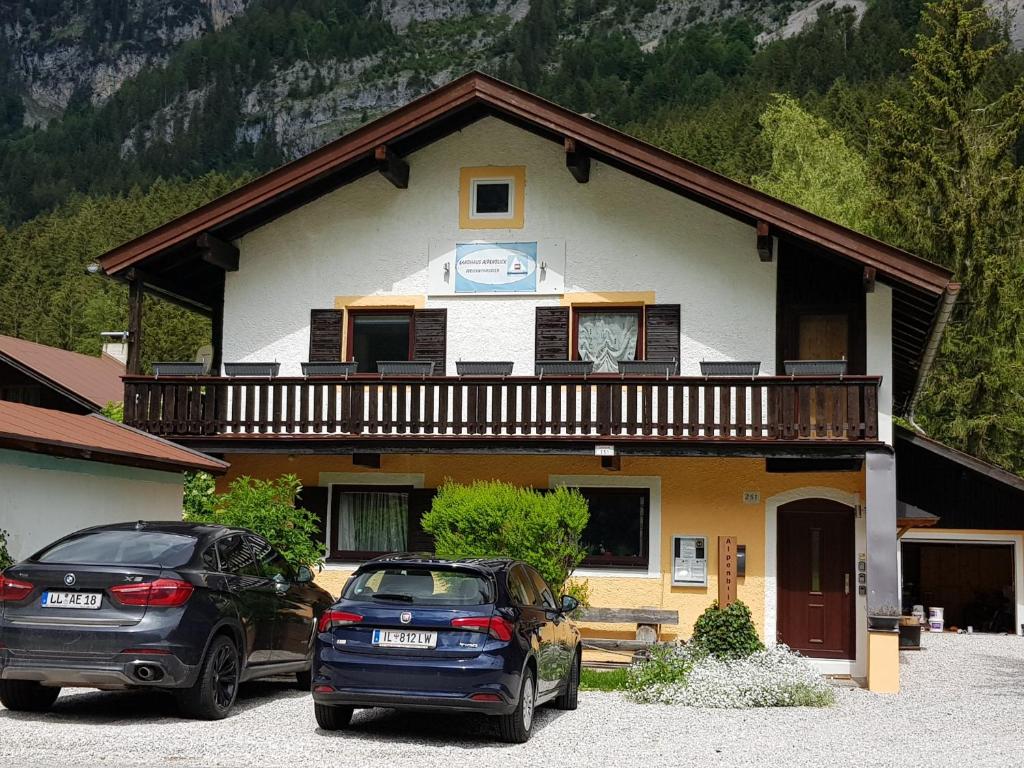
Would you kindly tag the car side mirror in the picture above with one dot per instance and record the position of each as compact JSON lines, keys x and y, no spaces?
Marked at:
{"x":303,"y":575}
{"x":569,"y":604}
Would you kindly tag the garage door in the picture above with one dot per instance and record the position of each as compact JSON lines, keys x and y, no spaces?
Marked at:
{"x":972,"y":582}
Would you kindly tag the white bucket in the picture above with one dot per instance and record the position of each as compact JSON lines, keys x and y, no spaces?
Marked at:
{"x":918,"y":613}
{"x":935,"y":619}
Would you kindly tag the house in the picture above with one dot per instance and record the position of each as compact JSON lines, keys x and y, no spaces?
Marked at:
{"x":483,"y":225}
{"x":60,"y":472}
{"x":961,"y":536}
{"x":48,"y":377}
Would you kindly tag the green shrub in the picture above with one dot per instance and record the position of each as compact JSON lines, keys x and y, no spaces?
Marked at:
{"x":727,"y":632}
{"x":199,"y":495}
{"x":495,"y":519}
{"x":114,"y":411}
{"x":5,"y":556}
{"x":666,"y":667}
{"x":267,"y":507}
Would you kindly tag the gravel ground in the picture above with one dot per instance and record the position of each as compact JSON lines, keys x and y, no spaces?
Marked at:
{"x":962,"y":704}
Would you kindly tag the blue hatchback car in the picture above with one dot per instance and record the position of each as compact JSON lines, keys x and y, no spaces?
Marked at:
{"x":411,"y":632}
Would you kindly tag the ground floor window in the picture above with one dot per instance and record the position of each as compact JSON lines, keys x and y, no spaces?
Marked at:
{"x":370,"y":521}
{"x":619,"y":527}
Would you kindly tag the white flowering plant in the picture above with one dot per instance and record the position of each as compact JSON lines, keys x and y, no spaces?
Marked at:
{"x":685,"y":674}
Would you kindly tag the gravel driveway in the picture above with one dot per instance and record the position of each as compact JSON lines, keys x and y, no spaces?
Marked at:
{"x":962,"y":704}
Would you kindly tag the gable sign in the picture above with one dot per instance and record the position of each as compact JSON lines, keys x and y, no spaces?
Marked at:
{"x":496,"y":268}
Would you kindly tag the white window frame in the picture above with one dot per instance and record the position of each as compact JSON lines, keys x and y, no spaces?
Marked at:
{"x":508,"y":214}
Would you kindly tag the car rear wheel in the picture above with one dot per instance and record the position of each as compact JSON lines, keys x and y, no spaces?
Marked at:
{"x":332,"y":718}
{"x":27,"y":695}
{"x":569,"y":697}
{"x":214,"y":693}
{"x":515,"y":727}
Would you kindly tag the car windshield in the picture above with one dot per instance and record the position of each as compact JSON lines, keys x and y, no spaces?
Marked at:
{"x":421,"y":585}
{"x":170,"y":550}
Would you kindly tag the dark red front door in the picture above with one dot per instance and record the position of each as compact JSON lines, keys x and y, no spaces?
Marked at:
{"x":816,"y":579}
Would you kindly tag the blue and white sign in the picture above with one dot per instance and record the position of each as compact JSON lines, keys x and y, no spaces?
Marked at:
{"x":496,"y":268}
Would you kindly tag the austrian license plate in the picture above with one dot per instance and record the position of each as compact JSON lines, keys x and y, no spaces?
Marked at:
{"x":88,"y":600}
{"x":404,"y":638}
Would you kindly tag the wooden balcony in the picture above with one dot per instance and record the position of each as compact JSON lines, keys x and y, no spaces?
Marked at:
{"x":520,"y":410}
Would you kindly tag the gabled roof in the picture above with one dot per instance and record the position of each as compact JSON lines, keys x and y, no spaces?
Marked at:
{"x":90,"y":381}
{"x":95,"y":438}
{"x":166,"y":259}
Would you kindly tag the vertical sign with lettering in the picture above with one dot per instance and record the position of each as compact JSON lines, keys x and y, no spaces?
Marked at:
{"x":726,"y":570}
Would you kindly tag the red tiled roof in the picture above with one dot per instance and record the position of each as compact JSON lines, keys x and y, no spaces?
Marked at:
{"x":94,"y":380}
{"x":95,"y":438}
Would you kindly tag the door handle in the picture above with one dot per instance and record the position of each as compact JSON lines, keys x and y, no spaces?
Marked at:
{"x":846,"y":584}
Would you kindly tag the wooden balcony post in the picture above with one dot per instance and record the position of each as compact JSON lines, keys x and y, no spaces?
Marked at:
{"x":133,"y":366}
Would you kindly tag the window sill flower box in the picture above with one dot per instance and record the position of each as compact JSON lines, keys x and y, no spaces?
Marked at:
{"x":252,"y":369}
{"x":179,"y":369}
{"x":648,"y":367}
{"x":483,"y":368}
{"x":565,"y":368}
{"x":405,"y":367}
{"x":815,"y":367}
{"x":339,"y":368}
{"x":730,"y":367}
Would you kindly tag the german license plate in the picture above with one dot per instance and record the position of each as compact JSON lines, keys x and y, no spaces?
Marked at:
{"x":404,"y":638}
{"x":87,"y":600}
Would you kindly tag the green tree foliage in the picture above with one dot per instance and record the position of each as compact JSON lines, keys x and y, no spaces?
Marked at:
{"x":727,"y":632}
{"x":199,"y":494}
{"x":953,"y":191}
{"x":495,"y":519}
{"x":5,"y":556}
{"x":813,"y":167}
{"x":266,"y":507}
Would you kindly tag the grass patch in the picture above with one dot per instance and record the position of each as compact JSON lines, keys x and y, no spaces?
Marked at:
{"x":603,"y":679}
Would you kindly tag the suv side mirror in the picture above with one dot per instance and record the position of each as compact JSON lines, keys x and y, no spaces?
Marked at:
{"x":569,"y":603}
{"x":303,"y":575}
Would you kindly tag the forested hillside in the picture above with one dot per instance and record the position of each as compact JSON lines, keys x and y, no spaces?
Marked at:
{"x":899,"y":119}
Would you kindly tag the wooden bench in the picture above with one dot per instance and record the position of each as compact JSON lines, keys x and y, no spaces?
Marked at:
{"x":648,"y":626}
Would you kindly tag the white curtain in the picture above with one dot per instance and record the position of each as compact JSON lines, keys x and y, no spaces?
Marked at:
{"x":373,"y":522}
{"x":607,"y":337}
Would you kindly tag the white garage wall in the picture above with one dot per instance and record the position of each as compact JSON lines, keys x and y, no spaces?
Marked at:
{"x":43,"y":498}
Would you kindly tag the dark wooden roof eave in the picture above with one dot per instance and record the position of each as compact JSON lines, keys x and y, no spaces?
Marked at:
{"x":75,"y":397}
{"x":474,"y":95}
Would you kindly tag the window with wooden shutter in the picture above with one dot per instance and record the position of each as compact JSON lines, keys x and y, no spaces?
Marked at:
{"x":430,"y":334}
{"x":552,"y":334}
{"x":662,"y":331}
{"x":325,"y":335}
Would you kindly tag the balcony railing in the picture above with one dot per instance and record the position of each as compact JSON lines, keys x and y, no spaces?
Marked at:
{"x":675,"y":408}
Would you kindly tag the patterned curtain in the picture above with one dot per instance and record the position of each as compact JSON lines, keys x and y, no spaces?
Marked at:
{"x":607,"y":337}
{"x":373,"y":522}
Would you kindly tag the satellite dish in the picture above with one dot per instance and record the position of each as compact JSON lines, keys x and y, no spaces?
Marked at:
{"x":205,"y":356}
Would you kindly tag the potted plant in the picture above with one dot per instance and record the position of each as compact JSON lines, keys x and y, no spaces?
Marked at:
{"x":884,"y":617}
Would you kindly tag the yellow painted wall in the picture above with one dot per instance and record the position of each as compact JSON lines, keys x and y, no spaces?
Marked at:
{"x":699,"y":496}
{"x":883,"y":662}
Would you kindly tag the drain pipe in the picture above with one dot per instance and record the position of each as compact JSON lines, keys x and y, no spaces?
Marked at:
{"x":945,"y":311}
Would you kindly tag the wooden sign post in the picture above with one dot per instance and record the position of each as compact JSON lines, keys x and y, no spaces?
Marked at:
{"x":726,"y":570}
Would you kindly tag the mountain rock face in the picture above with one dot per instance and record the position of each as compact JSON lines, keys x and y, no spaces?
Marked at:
{"x":85,"y":49}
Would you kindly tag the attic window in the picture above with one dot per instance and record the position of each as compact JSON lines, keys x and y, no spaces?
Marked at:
{"x":492,"y":197}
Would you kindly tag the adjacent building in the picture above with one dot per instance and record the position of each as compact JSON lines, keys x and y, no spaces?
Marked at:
{"x":484,"y":285}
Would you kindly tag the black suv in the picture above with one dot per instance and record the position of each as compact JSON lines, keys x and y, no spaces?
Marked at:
{"x":193,"y":608}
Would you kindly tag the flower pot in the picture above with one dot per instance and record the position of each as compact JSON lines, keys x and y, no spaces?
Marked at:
{"x":565,"y":368}
{"x":483,"y":368}
{"x":252,"y":369}
{"x":884,"y":623}
{"x":730,"y":367}
{"x":815,"y":367}
{"x":179,"y":369}
{"x":648,"y":367}
{"x":405,"y":367}
{"x":329,"y":368}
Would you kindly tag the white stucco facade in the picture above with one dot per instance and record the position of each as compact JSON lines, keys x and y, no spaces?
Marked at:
{"x":43,"y":498}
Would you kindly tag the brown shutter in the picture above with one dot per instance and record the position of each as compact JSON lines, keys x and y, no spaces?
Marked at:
{"x":430,"y":331}
{"x":552,"y":334}
{"x":325,"y":335}
{"x":420,"y":500}
{"x":314,"y":498}
{"x":661,"y":329}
